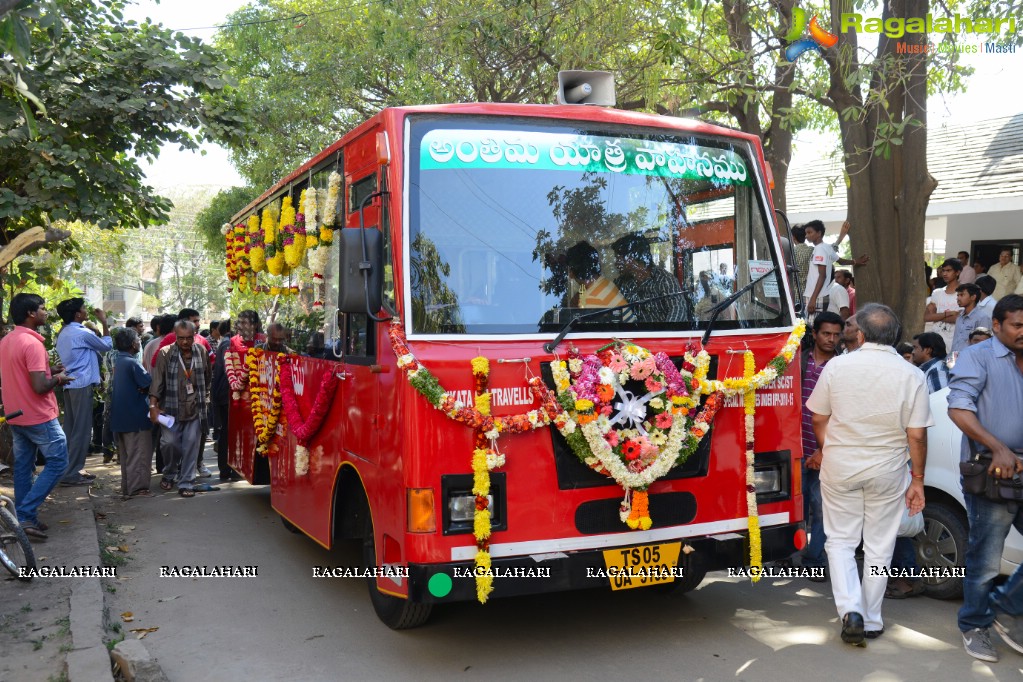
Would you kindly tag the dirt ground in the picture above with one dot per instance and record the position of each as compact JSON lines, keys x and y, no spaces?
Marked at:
{"x":35,"y":632}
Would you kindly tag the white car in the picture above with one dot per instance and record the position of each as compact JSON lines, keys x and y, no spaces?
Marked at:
{"x":943,"y":542}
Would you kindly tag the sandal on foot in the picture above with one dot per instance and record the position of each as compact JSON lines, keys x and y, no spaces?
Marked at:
{"x":186,"y":492}
{"x":34,"y":532}
{"x":144,"y":492}
{"x":166,"y":484}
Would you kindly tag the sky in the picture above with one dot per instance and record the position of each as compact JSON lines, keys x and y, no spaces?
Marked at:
{"x":991,"y":93}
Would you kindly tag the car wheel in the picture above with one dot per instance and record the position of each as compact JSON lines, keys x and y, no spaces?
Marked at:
{"x":942,"y":545}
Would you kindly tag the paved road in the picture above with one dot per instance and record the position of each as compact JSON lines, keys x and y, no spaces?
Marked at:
{"x":287,"y":625}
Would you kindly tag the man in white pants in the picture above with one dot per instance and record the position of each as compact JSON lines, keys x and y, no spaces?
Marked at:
{"x":870,"y":414}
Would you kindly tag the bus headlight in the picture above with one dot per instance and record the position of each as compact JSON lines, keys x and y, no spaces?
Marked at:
{"x":768,"y":480}
{"x":459,"y":504}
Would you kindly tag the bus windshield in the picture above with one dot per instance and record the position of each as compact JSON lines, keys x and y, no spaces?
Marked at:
{"x":518,"y":227}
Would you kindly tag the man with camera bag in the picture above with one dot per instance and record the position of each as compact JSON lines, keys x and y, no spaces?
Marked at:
{"x":985,"y":401}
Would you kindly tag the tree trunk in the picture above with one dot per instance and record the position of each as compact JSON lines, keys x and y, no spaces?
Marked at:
{"x":887,"y":194}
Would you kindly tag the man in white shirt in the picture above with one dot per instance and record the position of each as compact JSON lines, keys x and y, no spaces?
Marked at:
{"x":870,"y":415}
{"x":986,"y":284}
{"x":838,"y":299}
{"x":1006,"y":274}
{"x":824,"y":258}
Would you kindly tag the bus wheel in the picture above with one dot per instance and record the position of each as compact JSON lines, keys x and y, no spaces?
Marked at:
{"x":692,"y":575}
{"x":395,"y":612}
{"x":290,"y":526}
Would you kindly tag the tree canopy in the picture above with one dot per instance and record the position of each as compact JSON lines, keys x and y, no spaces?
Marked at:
{"x":114,"y":91}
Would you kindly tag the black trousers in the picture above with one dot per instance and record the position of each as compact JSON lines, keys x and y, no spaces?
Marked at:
{"x":220,"y":412}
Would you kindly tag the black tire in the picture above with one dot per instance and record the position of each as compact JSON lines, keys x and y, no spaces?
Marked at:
{"x":942,"y":545}
{"x":692,"y":575}
{"x":15,"y":549}
{"x":394,"y":612}
{"x":290,"y":526}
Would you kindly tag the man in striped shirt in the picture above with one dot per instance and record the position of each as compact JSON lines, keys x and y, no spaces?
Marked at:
{"x":642,"y":279}
{"x":595,"y":290}
{"x":827,"y":327}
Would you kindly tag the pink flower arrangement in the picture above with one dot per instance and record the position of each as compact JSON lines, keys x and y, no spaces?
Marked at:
{"x":663,"y":420}
{"x":642,"y":369}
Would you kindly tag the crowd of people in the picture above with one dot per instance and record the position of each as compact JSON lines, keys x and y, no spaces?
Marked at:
{"x":145,"y":397}
{"x":864,"y":421}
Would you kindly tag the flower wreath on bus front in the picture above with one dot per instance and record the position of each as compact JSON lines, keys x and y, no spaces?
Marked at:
{"x":634,"y":436}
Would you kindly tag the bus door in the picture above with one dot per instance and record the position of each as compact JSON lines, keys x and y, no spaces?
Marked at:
{"x":364,"y":375}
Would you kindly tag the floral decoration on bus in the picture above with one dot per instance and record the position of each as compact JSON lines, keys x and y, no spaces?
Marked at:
{"x":635,"y":439}
{"x":265,"y":388}
{"x":631,"y":415}
{"x":448,"y":148}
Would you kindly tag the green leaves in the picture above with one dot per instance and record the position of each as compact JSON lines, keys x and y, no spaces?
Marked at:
{"x":114,"y":92}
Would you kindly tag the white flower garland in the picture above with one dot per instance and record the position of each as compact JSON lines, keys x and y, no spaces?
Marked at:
{"x":312,"y":229}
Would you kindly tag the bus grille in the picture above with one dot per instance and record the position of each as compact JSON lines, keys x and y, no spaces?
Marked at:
{"x":598,"y":517}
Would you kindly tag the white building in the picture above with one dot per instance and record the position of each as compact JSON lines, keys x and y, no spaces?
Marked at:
{"x":977,"y":206}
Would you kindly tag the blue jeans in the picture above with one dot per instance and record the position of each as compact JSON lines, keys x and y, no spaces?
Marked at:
{"x":989,"y":526}
{"x":904,"y":557}
{"x":813,"y":554}
{"x":49,"y":438}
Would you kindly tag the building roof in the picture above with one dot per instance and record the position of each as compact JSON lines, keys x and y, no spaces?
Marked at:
{"x":976,"y":162}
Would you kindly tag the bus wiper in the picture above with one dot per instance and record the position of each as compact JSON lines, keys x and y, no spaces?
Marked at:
{"x":716,"y":310}
{"x":551,"y":345}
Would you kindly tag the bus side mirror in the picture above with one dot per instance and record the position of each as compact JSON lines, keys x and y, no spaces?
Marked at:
{"x":361,"y":272}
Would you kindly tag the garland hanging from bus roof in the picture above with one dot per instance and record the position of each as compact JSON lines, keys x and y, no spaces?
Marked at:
{"x":255,"y":246}
{"x":312,"y":229}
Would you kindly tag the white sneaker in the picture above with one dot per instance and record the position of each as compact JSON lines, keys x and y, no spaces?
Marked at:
{"x":204,"y":473}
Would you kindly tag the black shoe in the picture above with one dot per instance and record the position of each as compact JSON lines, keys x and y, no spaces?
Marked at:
{"x":873,"y":634}
{"x":820,"y":576}
{"x":852,"y":628}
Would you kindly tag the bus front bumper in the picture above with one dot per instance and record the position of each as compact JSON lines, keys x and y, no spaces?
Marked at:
{"x":563,"y":571}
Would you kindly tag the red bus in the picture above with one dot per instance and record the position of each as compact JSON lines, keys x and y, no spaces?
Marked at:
{"x":507,"y":398}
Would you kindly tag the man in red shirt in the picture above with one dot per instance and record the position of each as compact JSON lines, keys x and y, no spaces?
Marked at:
{"x":28,"y":386}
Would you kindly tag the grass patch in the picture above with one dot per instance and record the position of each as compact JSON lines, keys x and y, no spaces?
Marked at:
{"x":27,"y":608}
{"x":114,"y":642}
{"x":111,"y":558}
{"x":62,"y":677}
{"x":37,"y":644}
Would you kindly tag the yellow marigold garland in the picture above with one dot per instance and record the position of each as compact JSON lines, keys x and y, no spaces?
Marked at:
{"x":254,"y":245}
{"x":293,"y":243}
{"x":274,"y":256}
{"x":264,"y":423}
{"x":752,"y":513}
{"x":484,"y":458}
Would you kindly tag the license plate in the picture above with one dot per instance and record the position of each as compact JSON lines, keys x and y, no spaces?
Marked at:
{"x":630,"y":567}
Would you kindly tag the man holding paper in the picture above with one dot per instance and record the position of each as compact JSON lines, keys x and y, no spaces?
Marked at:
{"x":177,"y":399}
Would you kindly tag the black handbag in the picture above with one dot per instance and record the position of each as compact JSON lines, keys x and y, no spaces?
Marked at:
{"x":977,"y":481}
